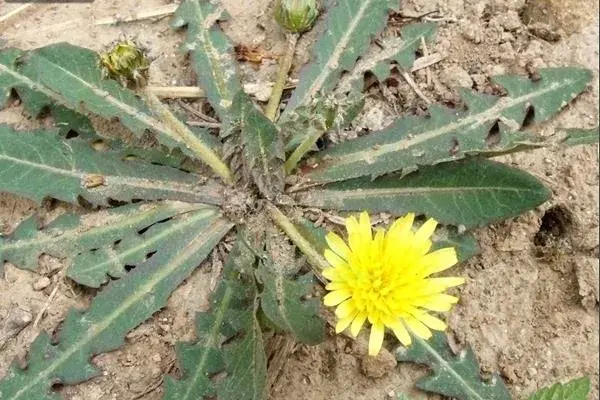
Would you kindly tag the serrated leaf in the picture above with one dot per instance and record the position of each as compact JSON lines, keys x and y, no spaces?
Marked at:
{"x":455,"y":376}
{"x":576,"y":137}
{"x":470,"y":192}
{"x":71,"y":234}
{"x":122,"y":306}
{"x":211,"y":52}
{"x":350,"y":27}
{"x":577,"y":389}
{"x":284,"y":301}
{"x":68,"y":122}
{"x":246,"y":363}
{"x":262,"y":146}
{"x":37,"y":165}
{"x":70,"y":76}
{"x":399,"y":50}
{"x":8,"y":60}
{"x":92,"y":268}
{"x":231,"y":315}
{"x":449,"y":134}
{"x":309,"y":123}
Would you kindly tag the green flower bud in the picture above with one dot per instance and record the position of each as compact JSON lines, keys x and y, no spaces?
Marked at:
{"x":296,"y":16}
{"x":125,"y":62}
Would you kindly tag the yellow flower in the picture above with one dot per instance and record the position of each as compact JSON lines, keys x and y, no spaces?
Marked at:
{"x":385,"y":279}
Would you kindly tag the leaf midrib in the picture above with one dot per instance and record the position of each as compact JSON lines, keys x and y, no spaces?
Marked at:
{"x":118,"y":218}
{"x":213,"y":55}
{"x":145,"y":243}
{"x":212,"y":339}
{"x":406,"y":142}
{"x":337,"y":53}
{"x":141,"y":183}
{"x":194,"y":143}
{"x":350,"y":193}
{"x":97,"y":329}
{"x":446,"y":366}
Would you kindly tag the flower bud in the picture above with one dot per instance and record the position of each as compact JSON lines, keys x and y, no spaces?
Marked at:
{"x":296,"y":16}
{"x":126,"y":62}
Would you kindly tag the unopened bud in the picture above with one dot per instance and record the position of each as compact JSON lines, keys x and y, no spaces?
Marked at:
{"x":126,"y":62}
{"x":296,"y":16}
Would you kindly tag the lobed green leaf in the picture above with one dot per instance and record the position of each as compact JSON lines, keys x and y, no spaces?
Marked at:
{"x":211,"y":52}
{"x":487,"y":125}
{"x":397,"y":50}
{"x":284,"y":300}
{"x":576,"y":389}
{"x":455,"y":376}
{"x":70,"y":76}
{"x":122,"y":306}
{"x":71,"y":234}
{"x":348,"y":32}
{"x":470,"y":192}
{"x":229,"y":339}
{"x":37,"y":165}
{"x":576,"y":136}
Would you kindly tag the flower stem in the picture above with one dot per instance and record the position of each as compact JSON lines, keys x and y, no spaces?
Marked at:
{"x":182,"y":134}
{"x":282,"y":74}
{"x":303,"y":148}
{"x":314,"y":258}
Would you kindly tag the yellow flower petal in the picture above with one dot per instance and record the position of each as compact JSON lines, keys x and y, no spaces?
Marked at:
{"x":376,"y":338}
{"x":438,"y":285}
{"x":351,"y":225}
{"x":422,"y":243}
{"x":403,"y":224}
{"x":334,"y":260}
{"x":438,"y":302}
{"x":358,"y":323}
{"x":426,"y":230}
{"x":397,"y":326}
{"x":345,"y":309}
{"x":417,"y":327}
{"x":343,"y":323}
{"x":336,"y":286}
{"x":338,"y":245}
{"x":438,"y":261}
{"x":336,"y":297}
{"x":329,"y":273}
{"x":432,"y":322}
{"x":365,"y":226}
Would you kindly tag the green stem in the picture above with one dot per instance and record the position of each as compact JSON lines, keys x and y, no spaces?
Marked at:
{"x":187,"y":138}
{"x":314,"y":258}
{"x":282,"y":74}
{"x":304,"y":147}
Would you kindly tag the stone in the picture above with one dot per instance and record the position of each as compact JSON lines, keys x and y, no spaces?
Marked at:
{"x":41,"y":283}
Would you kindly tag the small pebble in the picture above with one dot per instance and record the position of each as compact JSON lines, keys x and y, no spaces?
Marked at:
{"x":41,"y":283}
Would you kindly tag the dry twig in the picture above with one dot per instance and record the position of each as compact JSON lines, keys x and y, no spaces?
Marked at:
{"x":414,"y":87}
{"x":16,"y":11}
{"x":140,"y":15}
{"x":176,"y":92}
{"x":39,"y":316}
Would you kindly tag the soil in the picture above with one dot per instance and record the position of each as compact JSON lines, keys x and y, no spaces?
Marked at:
{"x":530,"y":306}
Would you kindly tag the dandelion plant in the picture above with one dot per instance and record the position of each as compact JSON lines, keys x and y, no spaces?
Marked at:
{"x":142,"y":206}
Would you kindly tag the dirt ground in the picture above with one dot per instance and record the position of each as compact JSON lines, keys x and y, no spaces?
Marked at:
{"x":530,"y":306}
